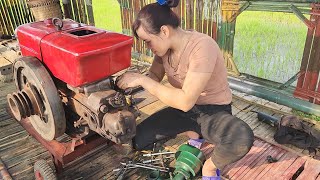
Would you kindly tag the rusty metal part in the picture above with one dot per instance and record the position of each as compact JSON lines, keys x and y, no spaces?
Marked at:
{"x":34,"y":99}
{"x":97,"y":99}
{"x":36,"y":87}
{"x":58,"y":23}
{"x":119,"y":100}
{"x":64,"y":153}
{"x":120,"y":127}
{"x":105,"y":112}
{"x":25,"y":103}
{"x":15,"y":106}
{"x":103,"y":85}
{"x":310,"y":66}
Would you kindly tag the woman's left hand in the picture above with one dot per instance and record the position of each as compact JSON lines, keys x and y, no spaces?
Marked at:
{"x":129,"y":79}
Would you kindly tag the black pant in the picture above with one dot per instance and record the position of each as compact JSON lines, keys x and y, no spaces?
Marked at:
{"x":232,"y":137}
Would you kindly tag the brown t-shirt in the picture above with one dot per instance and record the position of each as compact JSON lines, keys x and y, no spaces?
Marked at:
{"x":201,"y":54}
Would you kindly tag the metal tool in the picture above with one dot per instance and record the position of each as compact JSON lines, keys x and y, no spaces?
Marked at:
{"x":146,"y":166}
{"x":160,"y":153}
{"x":271,"y":159}
{"x":155,"y":160}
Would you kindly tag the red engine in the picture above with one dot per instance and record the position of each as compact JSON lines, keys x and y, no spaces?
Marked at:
{"x":77,"y":54}
{"x":65,"y":83}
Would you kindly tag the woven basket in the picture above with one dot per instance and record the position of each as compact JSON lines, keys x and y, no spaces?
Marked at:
{"x":44,"y":9}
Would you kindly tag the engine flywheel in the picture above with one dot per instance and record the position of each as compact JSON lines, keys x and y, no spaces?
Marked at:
{"x":37,"y":99}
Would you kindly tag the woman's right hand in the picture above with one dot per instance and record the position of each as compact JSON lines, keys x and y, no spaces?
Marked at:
{"x":129,"y":80}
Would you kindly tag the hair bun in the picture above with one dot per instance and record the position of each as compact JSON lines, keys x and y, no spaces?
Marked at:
{"x":173,"y":3}
{"x":168,"y":3}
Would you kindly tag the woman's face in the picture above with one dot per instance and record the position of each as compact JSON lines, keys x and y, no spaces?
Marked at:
{"x":158,"y":43}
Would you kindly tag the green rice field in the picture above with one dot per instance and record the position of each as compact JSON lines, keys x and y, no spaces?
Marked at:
{"x":269,"y":45}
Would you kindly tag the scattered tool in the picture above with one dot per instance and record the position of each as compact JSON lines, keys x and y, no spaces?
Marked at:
{"x":271,"y":159}
{"x":160,"y":153}
{"x":189,"y":161}
{"x":148,"y":164}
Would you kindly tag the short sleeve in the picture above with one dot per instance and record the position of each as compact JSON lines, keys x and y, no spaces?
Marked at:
{"x":204,"y":56}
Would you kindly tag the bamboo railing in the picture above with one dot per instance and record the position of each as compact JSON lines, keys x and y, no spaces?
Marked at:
{"x":13,"y":13}
{"x":17,"y":12}
{"x":79,"y":10}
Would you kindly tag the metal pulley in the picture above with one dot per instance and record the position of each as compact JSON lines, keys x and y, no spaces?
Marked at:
{"x":37,"y":98}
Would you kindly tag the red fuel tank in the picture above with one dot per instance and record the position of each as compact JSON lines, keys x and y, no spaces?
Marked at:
{"x":77,"y":54}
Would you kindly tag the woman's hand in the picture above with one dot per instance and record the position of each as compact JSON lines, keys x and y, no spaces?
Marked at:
{"x":129,"y":79}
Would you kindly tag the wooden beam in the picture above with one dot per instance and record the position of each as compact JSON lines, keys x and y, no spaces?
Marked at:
{"x":90,"y":12}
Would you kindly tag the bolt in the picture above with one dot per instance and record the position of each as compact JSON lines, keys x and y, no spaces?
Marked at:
{"x":103,"y":108}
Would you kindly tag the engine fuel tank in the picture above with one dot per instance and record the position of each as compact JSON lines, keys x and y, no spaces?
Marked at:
{"x":77,"y":54}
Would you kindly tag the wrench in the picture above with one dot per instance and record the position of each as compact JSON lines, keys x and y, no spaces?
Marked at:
{"x":145,"y":166}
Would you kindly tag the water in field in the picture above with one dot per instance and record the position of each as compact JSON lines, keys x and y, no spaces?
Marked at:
{"x":269,"y":45}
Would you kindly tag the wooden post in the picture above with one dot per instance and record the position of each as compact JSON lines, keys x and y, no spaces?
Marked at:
{"x":82,"y":11}
{"x":189,"y":14}
{"x":75,"y":10}
{"x":303,"y":80}
{"x":90,"y":12}
{"x":67,"y":9}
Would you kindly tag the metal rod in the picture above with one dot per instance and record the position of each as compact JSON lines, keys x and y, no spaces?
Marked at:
{"x":298,"y":13}
{"x":154,"y":160}
{"x":145,"y":166}
{"x":291,"y":80}
{"x":153,"y":166}
{"x":274,"y":95}
{"x":155,"y":154}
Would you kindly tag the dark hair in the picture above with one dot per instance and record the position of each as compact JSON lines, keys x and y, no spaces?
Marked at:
{"x":153,"y":16}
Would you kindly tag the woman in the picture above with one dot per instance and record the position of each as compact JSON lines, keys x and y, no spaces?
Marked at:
{"x":199,"y":101}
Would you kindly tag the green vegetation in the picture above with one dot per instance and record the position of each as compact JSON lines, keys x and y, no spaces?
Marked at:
{"x":107,"y":15}
{"x":269,"y":45}
{"x":309,"y":116}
